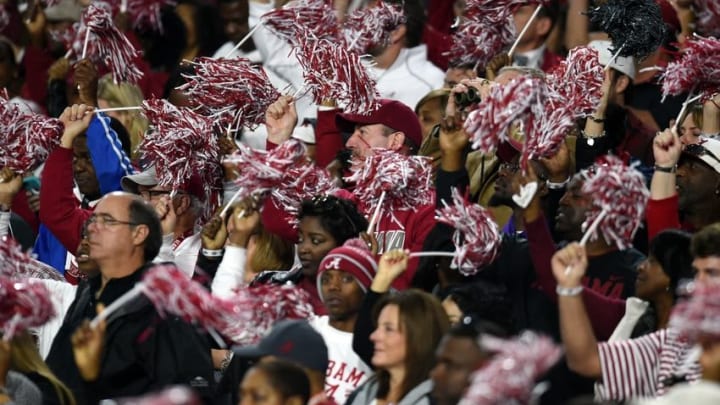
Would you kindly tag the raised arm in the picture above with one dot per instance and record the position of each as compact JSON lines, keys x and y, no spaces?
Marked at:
{"x":581,"y":348}
{"x":662,"y":207}
{"x":391,"y":265}
{"x":61,"y":215}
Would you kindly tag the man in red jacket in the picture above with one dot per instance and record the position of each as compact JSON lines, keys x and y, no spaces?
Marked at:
{"x":392,"y":126}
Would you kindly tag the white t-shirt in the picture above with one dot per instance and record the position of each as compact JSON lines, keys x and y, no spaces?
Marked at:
{"x":346,"y":371}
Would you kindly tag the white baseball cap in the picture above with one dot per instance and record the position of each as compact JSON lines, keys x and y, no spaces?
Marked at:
{"x":707,"y":150}
{"x":623,"y":64}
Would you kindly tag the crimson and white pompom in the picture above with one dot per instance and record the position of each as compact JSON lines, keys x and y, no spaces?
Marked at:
{"x":172,"y":292}
{"x":495,"y":10}
{"x":107,"y":45}
{"x":699,"y":315}
{"x":487,"y":28}
{"x":300,"y":18}
{"x":620,"y":190}
{"x":489,"y":123}
{"x":542,"y":115}
{"x":406,"y":181}
{"x":509,"y":378}
{"x":698,"y":71}
{"x":548,"y":131}
{"x":16,"y":263}
{"x":26,"y":138}
{"x":24,"y":304}
{"x":180,"y":143}
{"x":259,"y":172}
{"x":330,"y":71}
{"x":235,"y":91}
{"x":476,"y":237}
{"x":365,"y":29}
{"x":301,"y":181}
{"x":707,"y":17}
{"x":145,"y":15}
{"x":259,"y":307}
{"x":475,"y":43}
{"x":578,"y":79}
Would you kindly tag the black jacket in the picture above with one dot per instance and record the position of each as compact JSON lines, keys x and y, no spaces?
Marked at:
{"x":143,"y":352}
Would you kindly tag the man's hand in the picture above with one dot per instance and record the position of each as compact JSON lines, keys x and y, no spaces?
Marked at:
{"x":59,"y":69}
{"x":87,"y":344}
{"x":569,"y":265}
{"x":498,"y":62}
{"x":371,"y":241}
{"x":86,"y":78}
{"x":667,"y":148}
{"x":280,"y":119}
{"x":214,"y":233}
{"x":10,"y":184}
{"x":76,"y":120}
{"x":243,"y":223}
{"x":35,"y":23}
{"x":166,"y":212}
{"x":392,"y":265}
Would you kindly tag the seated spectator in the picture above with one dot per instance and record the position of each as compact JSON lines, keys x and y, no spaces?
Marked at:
{"x":408,"y":327}
{"x":297,"y":342}
{"x":275,"y":382}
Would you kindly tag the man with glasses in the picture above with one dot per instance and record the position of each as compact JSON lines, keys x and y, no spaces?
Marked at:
{"x":142,"y":351}
{"x":685,"y":188}
{"x":178,"y":216}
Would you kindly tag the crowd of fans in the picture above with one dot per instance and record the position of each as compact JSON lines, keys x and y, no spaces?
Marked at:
{"x":388,"y":326}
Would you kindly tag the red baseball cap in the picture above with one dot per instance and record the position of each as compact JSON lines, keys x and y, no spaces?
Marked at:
{"x":392,"y":113}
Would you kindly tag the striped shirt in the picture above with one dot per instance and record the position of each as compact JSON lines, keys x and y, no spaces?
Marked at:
{"x":647,"y":366}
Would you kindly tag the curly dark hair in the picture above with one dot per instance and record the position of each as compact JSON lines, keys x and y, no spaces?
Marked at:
{"x":339,"y":217}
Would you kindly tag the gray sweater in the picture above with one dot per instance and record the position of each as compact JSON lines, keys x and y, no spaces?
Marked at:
{"x":21,"y":390}
{"x":367,"y":392}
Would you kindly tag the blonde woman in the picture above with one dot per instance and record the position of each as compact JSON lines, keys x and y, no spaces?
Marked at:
{"x":111,"y":95}
{"x":25,"y":359}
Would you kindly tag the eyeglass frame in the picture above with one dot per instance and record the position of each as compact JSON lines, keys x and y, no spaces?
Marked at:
{"x":107,"y":221}
{"x":157,"y":193}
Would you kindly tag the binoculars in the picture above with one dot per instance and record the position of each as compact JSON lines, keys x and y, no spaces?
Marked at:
{"x":471,"y":96}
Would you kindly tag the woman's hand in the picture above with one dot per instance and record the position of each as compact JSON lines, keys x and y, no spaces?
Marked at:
{"x":392,"y":265}
{"x":214,"y":233}
{"x":88,"y":344}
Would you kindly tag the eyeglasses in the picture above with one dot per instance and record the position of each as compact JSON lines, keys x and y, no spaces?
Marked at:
{"x":105,"y":220}
{"x":698,"y":150}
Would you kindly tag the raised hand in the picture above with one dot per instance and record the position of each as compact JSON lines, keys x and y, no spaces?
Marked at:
{"x":243,"y":222}
{"x":569,"y":265}
{"x":667,"y":148}
{"x":165,"y":209}
{"x":392,"y":265}
{"x":86,"y":78}
{"x":280,"y":119}
{"x":76,"y":120}
{"x":214,"y":233}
